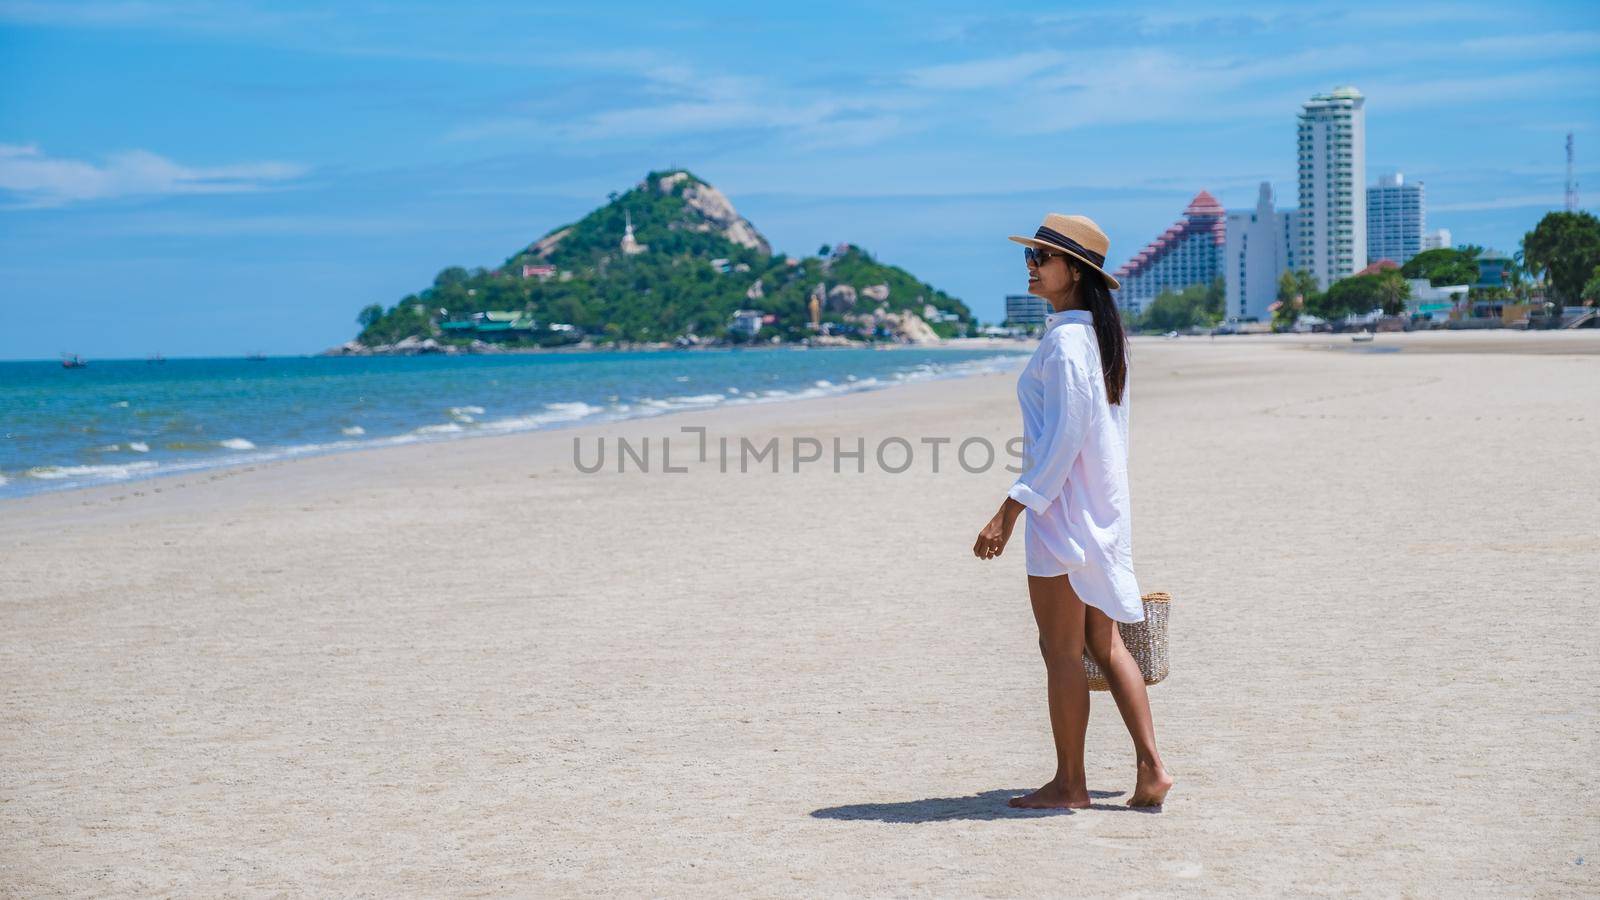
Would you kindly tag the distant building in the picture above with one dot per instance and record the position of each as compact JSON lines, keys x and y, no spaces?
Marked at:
{"x":747,"y":321}
{"x":1190,"y":252}
{"x":1026,"y":310}
{"x":493,"y":325}
{"x":1332,"y":239}
{"x":539,"y":272}
{"x":1397,"y":218}
{"x":1436,"y":240}
{"x":1259,"y":248}
{"x":1431,"y":302}
{"x":1492,"y":266}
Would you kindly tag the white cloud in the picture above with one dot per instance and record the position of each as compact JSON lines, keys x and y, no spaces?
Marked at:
{"x":38,"y":181}
{"x":193,"y":15}
{"x":676,"y":99}
{"x":1048,"y":92}
{"x":1497,"y":88}
{"x":1550,"y":199}
{"x":1535,"y":46}
{"x":998,"y":72}
{"x":1105,"y":87}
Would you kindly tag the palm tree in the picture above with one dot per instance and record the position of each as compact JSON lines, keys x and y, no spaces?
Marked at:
{"x":1393,"y":292}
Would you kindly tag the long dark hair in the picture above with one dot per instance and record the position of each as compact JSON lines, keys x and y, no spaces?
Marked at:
{"x":1096,"y":295}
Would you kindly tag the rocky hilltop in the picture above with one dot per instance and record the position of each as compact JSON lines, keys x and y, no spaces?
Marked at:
{"x":670,"y":261}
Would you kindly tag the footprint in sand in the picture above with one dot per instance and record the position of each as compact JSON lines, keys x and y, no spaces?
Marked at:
{"x":1183,"y":869}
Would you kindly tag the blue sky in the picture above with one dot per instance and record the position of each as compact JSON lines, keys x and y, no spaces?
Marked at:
{"x":215,"y":178}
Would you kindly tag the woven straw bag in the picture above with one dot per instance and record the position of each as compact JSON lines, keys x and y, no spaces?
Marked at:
{"x":1146,"y":640}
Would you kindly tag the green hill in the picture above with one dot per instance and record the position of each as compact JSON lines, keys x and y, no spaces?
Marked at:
{"x":579,"y":275}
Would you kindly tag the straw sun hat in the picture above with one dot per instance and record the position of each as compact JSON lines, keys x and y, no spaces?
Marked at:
{"x":1078,"y":237}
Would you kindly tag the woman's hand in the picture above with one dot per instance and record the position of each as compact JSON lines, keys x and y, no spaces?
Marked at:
{"x":992,"y":539}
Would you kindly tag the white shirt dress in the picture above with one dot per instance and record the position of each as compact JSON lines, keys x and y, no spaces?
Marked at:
{"x":1075,"y":469}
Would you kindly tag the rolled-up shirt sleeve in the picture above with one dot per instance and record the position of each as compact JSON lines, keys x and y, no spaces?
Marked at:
{"x":1063,"y":429}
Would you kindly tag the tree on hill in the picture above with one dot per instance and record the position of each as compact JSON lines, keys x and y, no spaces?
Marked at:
{"x":669,"y":287}
{"x":1564,"y":248}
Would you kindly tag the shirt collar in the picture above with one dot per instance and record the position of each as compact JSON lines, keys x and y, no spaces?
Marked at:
{"x":1068,"y":315}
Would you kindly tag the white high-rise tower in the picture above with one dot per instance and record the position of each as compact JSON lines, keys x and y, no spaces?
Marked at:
{"x":1332,"y":222}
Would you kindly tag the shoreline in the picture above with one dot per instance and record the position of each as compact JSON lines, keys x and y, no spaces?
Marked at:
{"x":1579,"y":338}
{"x":667,"y":346}
{"x":313,"y":472}
{"x":1474,"y":337}
{"x":1467,"y":342}
{"x":200,"y":468}
{"x":949,"y":343}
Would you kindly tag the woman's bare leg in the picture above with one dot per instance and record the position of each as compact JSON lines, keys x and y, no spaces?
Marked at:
{"x":1133,"y":701}
{"x":1059,"y":612}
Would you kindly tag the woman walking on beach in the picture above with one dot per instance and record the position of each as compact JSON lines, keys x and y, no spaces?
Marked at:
{"x":1074,"y":487}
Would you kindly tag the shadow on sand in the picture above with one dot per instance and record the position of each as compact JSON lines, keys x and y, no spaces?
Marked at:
{"x":985,"y":806}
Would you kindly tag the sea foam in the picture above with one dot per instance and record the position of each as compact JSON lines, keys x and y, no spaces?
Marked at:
{"x":51,"y":473}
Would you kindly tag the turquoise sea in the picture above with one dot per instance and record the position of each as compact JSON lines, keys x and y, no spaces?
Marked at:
{"x":121,"y":419}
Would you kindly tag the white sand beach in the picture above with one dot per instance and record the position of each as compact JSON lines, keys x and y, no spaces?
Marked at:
{"x":469,"y":668}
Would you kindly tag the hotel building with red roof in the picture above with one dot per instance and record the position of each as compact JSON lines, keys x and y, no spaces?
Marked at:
{"x":1189,"y":252}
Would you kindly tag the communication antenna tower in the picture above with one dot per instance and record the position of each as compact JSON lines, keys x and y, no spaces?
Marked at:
{"x":1572,"y":185}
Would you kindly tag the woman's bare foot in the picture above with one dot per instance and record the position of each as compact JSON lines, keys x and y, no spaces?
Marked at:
{"x":1052,"y":796}
{"x":1152,"y":785}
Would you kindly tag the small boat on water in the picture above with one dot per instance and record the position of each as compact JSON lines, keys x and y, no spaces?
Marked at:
{"x":255,"y":357}
{"x":155,"y":358}
{"x":1362,"y":336}
{"x":73,"y":361}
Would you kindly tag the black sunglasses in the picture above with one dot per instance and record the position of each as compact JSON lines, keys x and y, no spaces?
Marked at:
{"x":1034,"y":256}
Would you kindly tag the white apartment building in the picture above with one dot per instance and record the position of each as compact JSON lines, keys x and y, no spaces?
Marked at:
{"x":1437,"y":239}
{"x":1026,"y":310}
{"x":1332,"y":239}
{"x":1397,"y":216}
{"x":1259,"y":248}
